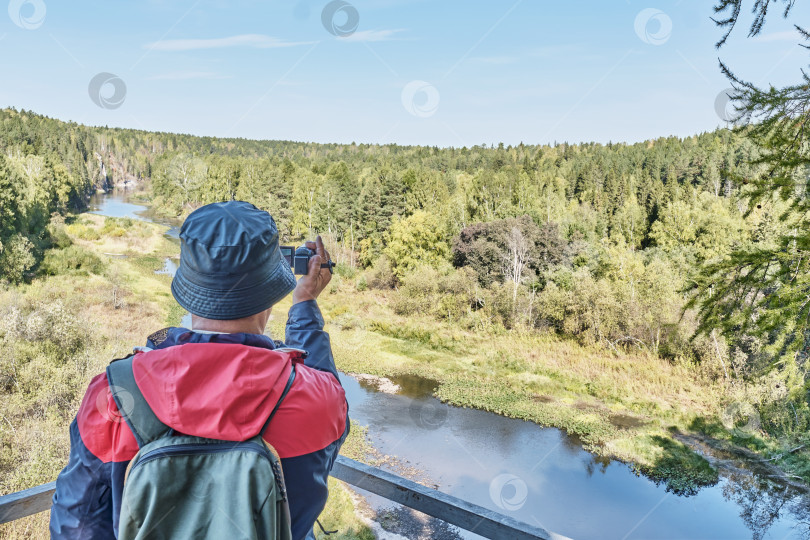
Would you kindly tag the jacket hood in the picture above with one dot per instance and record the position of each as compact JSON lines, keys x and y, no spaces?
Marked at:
{"x":215,"y":390}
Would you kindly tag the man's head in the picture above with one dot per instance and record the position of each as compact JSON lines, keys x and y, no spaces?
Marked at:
{"x":230,"y":264}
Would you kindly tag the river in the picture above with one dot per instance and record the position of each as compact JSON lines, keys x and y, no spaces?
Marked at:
{"x":542,"y":475}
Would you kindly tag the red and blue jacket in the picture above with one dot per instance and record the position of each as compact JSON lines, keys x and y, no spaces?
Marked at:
{"x":211,"y":385}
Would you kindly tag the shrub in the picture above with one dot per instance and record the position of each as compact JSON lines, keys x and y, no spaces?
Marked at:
{"x":71,"y":260}
{"x":83,"y":231}
{"x":346,"y":271}
{"x":49,"y":325}
{"x":16,"y":258}
{"x":418,"y":291}
{"x":459,"y":294}
{"x":57,"y":235}
{"x":116,"y":227}
{"x":382,"y":275}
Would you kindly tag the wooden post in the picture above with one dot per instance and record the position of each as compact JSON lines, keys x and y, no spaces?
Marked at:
{"x":25,"y":503}
{"x":453,"y":510}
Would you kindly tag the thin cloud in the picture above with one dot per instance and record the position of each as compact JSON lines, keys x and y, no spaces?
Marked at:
{"x":787,"y":35}
{"x":255,"y":41}
{"x":555,"y":51}
{"x":372,"y":35}
{"x":188,"y":75}
{"x":499,"y":60}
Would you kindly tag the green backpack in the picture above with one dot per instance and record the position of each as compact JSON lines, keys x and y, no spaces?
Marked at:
{"x":179,"y":486}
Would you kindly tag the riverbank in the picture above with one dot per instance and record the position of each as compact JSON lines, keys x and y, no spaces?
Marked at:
{"x":96,"y":299}
{"x":627,"y":407}
{"x":102,"y":295}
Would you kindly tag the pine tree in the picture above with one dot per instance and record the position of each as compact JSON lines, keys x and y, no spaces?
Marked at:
{"x":763,"y":289}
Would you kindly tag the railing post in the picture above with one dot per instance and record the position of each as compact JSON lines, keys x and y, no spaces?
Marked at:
{"x":453,"y":510}
{"x":25,"y":503}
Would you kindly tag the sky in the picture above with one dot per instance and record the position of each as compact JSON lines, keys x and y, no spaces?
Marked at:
{"x":440,"y":72}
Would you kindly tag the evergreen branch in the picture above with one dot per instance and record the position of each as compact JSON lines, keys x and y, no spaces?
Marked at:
{"x":759,"y":9}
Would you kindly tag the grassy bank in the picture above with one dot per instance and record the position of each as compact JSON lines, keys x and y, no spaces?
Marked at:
{"x":626,"y":406}
{"x":98,"y":299}
{"x":60,"y":330}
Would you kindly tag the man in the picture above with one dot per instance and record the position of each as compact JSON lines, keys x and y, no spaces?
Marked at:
{"x":231,"y":273}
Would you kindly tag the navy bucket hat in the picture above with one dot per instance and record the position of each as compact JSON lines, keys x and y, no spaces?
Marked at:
{"x":230,"y":263}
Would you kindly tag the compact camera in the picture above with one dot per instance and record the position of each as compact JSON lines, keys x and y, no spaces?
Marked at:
{"x":298,"y":259}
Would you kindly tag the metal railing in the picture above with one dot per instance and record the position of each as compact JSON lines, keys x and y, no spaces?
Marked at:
{"x":452,"y":510}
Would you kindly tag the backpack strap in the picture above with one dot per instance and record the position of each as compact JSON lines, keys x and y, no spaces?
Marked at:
{"x":283,"y":395}
{"x":145,"y":425}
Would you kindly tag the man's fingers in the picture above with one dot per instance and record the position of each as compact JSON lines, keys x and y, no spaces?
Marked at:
{"x":318,"y":247}
{"x":315,"y":265}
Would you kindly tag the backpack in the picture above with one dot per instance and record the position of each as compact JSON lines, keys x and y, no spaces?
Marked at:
{"x":178,"y":486}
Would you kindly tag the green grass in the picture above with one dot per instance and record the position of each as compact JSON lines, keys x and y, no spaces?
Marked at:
{"x":41,"y":388}
{"x":340,"y":516}
{"x":620,"y":406}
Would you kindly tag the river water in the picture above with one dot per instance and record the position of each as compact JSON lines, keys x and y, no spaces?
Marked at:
{"x":541,"y":475}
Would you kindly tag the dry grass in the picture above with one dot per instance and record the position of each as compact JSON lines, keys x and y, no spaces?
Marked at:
{"x":36,"y":413}
{"x":33,"y":427}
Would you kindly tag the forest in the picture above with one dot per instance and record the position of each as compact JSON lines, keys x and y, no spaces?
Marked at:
{"x":609,"y":247}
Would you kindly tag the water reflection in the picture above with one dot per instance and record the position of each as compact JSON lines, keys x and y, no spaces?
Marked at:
{"x":413,"y":386}
{"x":169,"y":267}
{"x":568,"y":491}
{"x":763,"y":504}
{"x":117,"y":205}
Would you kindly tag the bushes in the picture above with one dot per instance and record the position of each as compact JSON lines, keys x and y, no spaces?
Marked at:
{"x":46,"y":329}
{"x":116,"y":227}
{"x":455,"y":295}
{"x":83,"y":231}
{"x":71,"y":260}
{"x":418,"y":291}
{"x":57,"y":234}
{"x":635,"y":306}
{"x":382,"y":275}
{"x":16,"y":258}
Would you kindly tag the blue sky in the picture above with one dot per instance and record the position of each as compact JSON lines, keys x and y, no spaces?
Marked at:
{"x":446,"y":73}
